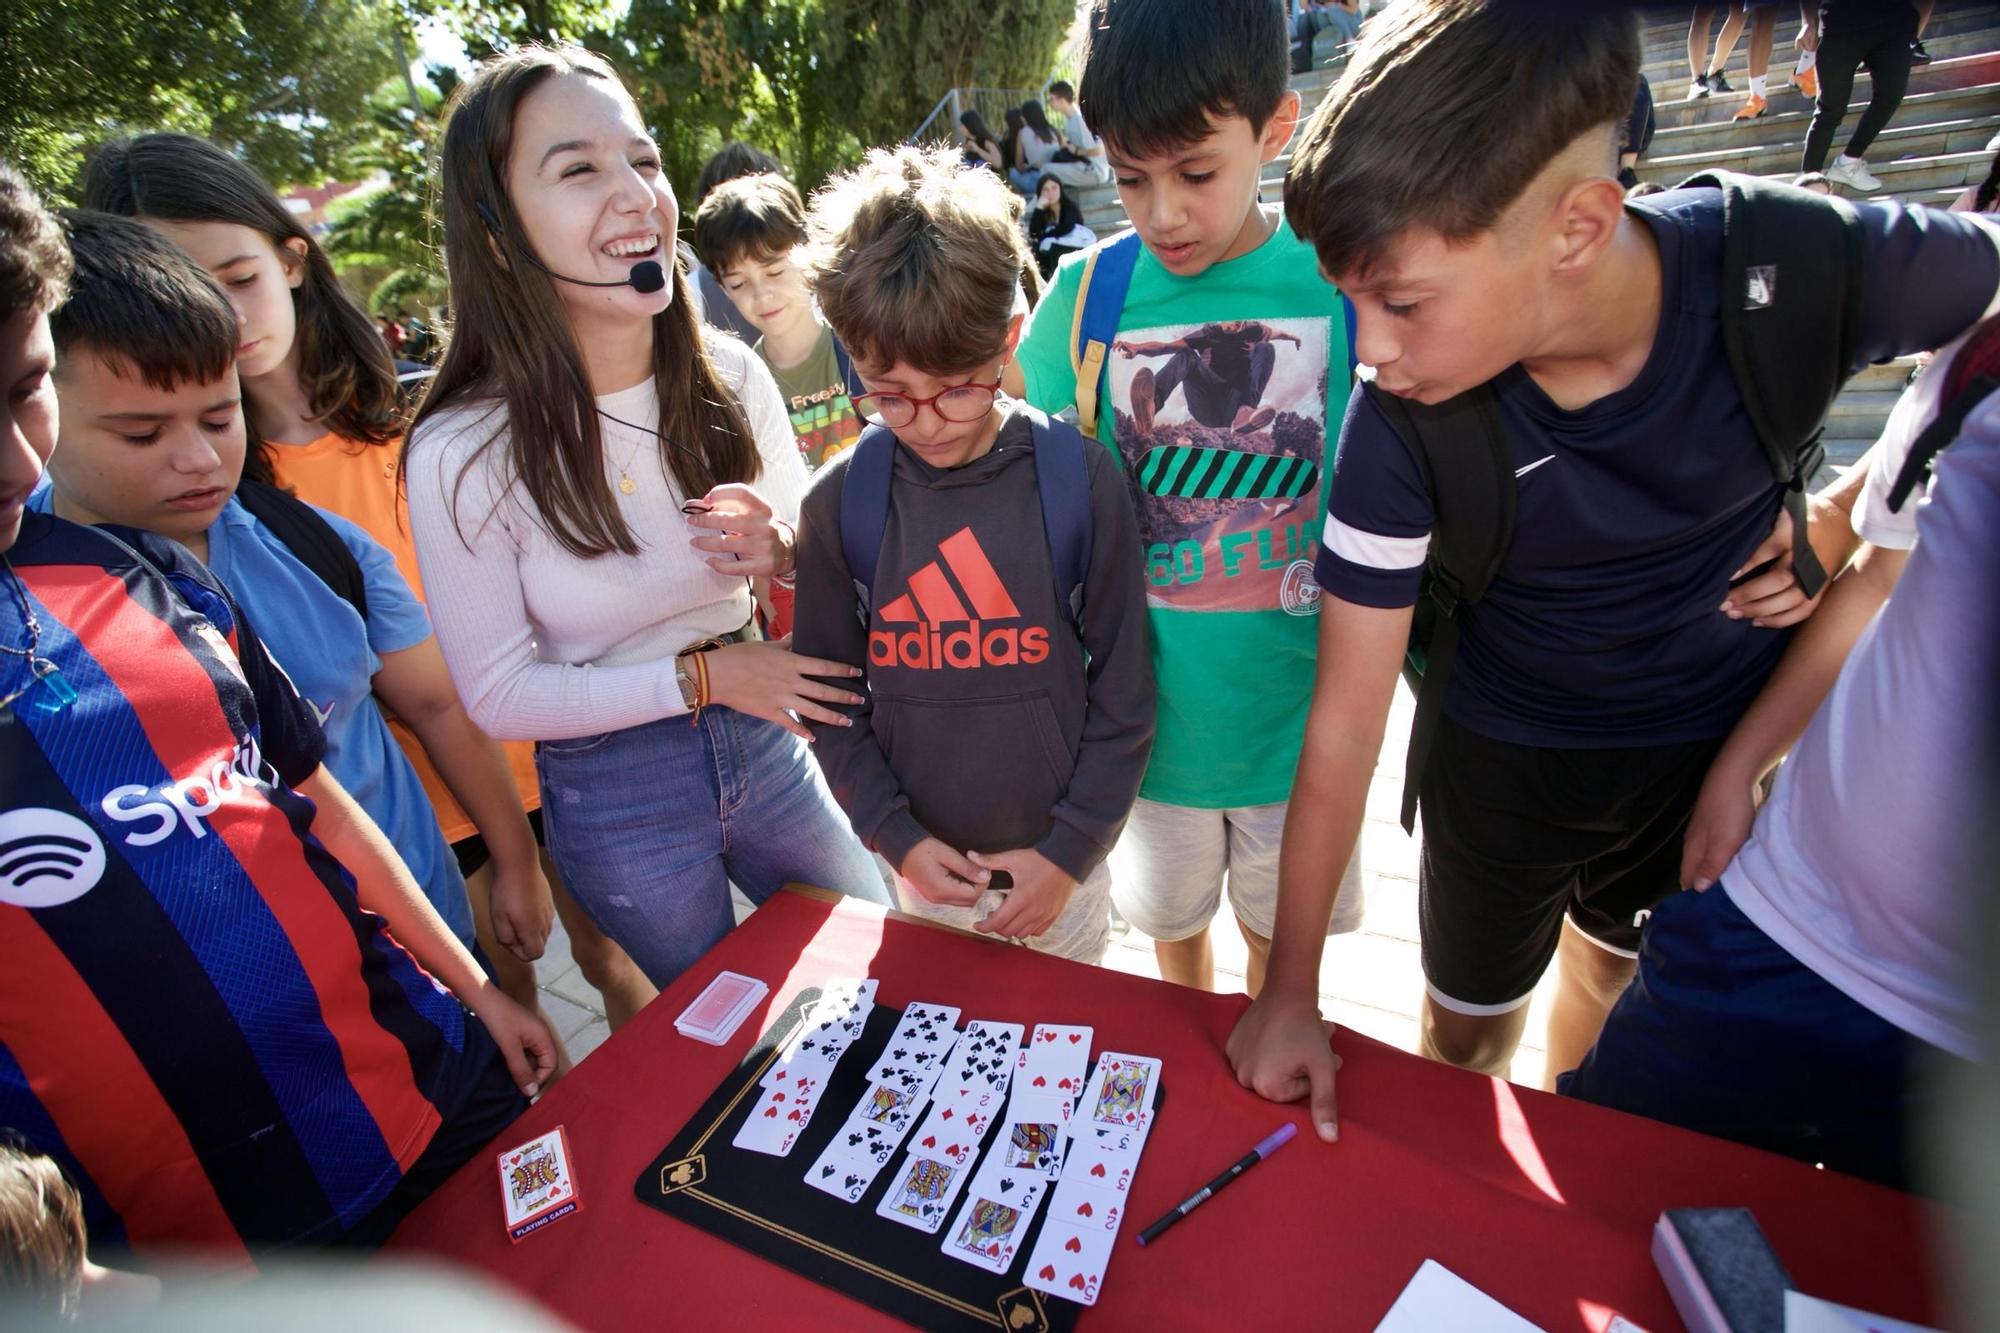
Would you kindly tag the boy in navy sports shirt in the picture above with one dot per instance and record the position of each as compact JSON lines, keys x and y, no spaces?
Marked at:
{"x":1486,"y":241}
{"x":205,"y":1019}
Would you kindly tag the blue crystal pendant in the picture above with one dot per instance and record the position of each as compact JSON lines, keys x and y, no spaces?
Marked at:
{"x":53,"y":692}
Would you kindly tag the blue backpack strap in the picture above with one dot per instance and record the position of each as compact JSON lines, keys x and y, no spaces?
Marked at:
{"x":1353,"y":357}
{"x":1062,"y":476}
{"x":864,"y":508}
{"x":1100,"y":301}
{"x":845,"y":363}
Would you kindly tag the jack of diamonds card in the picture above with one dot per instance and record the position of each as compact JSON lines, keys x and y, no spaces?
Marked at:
{"x":536,"y":1184}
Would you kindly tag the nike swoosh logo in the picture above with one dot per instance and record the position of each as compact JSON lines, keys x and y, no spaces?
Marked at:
{"x":321,"y":713}
{"x":1524,"y":471}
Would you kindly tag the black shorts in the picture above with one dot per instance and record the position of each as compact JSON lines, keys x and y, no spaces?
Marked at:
{"x":1518,"y":836}
{"x":471,"y":850}
{"x":482,"y":1104}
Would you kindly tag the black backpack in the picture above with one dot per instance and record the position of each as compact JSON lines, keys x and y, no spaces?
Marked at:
{"x":309,"y":537}
{"x":1791,"y":314}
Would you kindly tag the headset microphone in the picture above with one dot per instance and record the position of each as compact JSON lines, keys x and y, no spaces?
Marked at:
{"x":646,"y":277}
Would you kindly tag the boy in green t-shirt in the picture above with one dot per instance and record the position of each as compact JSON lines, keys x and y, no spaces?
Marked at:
{"x":1229,"y":371}
{"x":745,"y":232}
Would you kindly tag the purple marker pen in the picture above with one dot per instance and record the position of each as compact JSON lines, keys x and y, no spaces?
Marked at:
{"x":1278,"y":1139}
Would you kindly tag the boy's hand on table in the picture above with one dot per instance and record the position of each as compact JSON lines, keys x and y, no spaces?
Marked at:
{"x":1279,"y":1051}
{"x":942,"y":875}
{"x":1041,"y":891}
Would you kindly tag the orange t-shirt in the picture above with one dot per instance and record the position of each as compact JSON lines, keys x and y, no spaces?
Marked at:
{"x":358,"y":482}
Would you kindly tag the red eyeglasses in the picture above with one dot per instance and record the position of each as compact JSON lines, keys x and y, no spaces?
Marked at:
{"x":960,"y":403}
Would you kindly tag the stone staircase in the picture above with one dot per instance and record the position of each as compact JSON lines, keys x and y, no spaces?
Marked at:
{"x":1933,"y":148}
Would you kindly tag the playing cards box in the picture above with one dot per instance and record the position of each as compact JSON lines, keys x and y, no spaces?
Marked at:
{"x":537,"y":1186}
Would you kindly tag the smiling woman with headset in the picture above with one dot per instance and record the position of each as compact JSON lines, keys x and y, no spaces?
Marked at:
{"x":594,"y":481}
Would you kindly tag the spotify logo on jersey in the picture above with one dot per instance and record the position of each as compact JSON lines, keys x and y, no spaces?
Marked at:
{"x":47,"y":858}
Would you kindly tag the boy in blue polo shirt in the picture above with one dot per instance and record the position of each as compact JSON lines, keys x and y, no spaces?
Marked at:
{"x":1487,"y":243}
{"x":1227,"y":371}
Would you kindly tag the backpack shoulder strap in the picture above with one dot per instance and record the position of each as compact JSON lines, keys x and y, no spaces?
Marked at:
{"x":864,"y":508}
{"x":1100,"y":300}
{"x":309,"y":537}
{"x":1792,"y":284}
{"x":1461,"y":446}
{"x":845,"y":364}
{"x":1062,"y":476}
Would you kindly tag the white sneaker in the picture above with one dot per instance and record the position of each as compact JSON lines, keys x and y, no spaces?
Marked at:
{"x":1853,"y":171}
{"x":1993,"y":144}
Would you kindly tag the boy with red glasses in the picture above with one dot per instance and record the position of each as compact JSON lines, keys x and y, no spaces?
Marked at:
{"x":980,"y":563}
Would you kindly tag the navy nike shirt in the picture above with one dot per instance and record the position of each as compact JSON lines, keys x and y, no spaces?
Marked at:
{"x":1602,"y":629}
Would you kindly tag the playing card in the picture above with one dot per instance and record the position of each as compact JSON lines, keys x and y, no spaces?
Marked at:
{"x":984,"y":1035}
{"x":774,"y":1123}
{"x":1127,"y":1139}
{"x":929,"y":1018}
{"x":1050,"y":1047}
{"x":1086,"y":1207}
{"x":1068,"y":1262}
{"x":721,"y":1007}
{"x":965,"y":1098}
{"x":1103,"y":1168}
{"x":922,"y":1192}
{"x":862,"y":1140}
{"x":973,"y":1120}
{"x":840,"y":1026}
{"x":846,"y":1170}
{"x":987,"y":1231}
{"x":945,"y":1143}
{"x":1033,"y":1145}
{"x":1120,"y":1091}
{"x":536,"y":1184}
{"x":811,"y":1058}
{"x":886,"y":1104}
{"x":852,"y":992}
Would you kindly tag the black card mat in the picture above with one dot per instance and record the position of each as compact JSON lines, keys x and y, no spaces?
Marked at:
{"x":763,"y":1204}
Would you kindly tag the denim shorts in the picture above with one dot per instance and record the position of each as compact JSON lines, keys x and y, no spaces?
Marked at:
{"x":650,"y":825}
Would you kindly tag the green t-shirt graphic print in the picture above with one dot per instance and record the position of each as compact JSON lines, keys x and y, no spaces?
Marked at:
{"x":1219,"y":395}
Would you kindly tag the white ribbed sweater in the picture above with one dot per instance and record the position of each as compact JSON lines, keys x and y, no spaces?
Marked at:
{"x":543,"y":645}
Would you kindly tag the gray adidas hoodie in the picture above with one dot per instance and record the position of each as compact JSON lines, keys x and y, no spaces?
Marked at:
{"x":983,"y":725}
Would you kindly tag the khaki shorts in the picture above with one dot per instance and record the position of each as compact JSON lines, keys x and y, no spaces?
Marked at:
{"x":1174,"y":860}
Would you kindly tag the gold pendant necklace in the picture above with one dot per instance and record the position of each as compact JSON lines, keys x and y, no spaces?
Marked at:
{"x":625,"y":482}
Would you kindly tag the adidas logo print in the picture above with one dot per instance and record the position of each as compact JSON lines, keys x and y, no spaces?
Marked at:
{"x":933,"y":603}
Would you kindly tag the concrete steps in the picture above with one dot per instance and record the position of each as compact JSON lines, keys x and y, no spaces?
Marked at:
{"x":1952,"y":33}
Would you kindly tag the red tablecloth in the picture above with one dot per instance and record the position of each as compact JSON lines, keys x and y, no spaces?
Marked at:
{"x":1544,"y":1203}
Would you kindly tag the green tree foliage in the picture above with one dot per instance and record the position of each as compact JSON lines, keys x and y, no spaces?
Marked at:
{"x":705,"y":71}
{"x":285,"y":82}
{"x":381,"y":237}
{"x":913,"y":54}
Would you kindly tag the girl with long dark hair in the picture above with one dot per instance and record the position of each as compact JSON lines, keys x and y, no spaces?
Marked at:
{"x":1037,"y":143}
{"x":324,"y":415}
{"x":594,"y":481}
{"x":980,"y":147}
{"x":1055,"y":226}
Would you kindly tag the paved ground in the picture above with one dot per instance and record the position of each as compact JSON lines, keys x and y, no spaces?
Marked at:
{"x":1370,"y":980}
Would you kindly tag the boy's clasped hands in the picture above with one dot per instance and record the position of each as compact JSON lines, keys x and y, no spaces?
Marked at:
{"x":945,"y":876}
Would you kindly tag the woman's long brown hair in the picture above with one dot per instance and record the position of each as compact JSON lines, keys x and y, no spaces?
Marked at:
{"x":344,"y":366}
{"x":511,"y":341}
